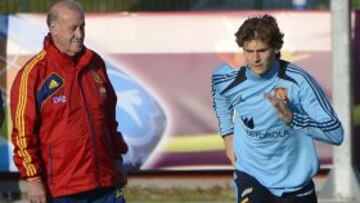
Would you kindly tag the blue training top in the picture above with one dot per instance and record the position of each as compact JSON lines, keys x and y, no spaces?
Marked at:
{"x":281,"y":157}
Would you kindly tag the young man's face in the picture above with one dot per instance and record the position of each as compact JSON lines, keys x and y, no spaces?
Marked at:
{"x":68,"y":31}
{"x":259,"y":55}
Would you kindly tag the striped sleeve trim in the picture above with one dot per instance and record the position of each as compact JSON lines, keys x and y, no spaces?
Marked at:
{"x":35,"y":178}
{"x":301,"y":120}
{"x":219,"y":100}
{"x":20,"y":116}
{"x":227,"y":134}
{"x":220,"y":78}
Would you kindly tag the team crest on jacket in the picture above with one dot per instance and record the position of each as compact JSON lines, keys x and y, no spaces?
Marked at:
{"x":97,"y":78}
{"x":281,"y":93}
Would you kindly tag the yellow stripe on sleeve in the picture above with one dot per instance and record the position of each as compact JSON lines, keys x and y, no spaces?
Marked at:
{"x":20,"y":115}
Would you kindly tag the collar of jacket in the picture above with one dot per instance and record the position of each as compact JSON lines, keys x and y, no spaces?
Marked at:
{"x":79,"y":61}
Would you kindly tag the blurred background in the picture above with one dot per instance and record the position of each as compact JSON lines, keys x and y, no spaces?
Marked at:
{"x":160,"y":55}
{"x":39,"y":6}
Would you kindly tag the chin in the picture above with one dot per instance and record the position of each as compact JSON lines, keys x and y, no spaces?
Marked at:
{"x":75,"y":51}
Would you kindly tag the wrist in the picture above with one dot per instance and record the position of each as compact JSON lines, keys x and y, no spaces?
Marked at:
{"x":33,"y":179}
{"x":290,"y":119}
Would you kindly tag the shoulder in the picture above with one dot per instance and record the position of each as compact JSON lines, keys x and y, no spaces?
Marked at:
{"x":29,"y":72}
{"x":96,"y":57}
{"x":293,"y":72}
{"x":224,"y":69}
{"x":224,"y":72}
{"x":34,"y":64}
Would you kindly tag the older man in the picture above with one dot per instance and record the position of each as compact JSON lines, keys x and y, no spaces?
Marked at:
{"x":63,"y":111}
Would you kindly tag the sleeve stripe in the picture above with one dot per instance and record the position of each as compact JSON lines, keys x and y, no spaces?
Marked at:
{"x":329,"y":125}
{"x":318,"y":92}
{"x":223,"y":78}
{"x":222,"y":81}
{"x":307,"y":120}
{"x":20,"y":116}
{"x":217,"y":112}
{"x":218,"y":76}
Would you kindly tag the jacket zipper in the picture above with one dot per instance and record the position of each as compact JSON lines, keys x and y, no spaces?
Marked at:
{"x":90,"y":121}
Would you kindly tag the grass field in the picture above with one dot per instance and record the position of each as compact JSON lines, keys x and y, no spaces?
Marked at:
{"x":214,"y":194}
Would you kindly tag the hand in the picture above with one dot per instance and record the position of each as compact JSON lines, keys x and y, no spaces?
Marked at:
{"x":281,"y":108}
{"x":36,"y":191}
{"x":228,"y":141}
{"x":121,"y":172}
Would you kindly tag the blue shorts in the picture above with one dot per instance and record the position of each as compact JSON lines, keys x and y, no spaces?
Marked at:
{"x":249,"y":190}
{"x":102,"y":195}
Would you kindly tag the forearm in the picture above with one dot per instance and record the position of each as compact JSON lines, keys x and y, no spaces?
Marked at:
{"x":228,"y":142}
{"x":329,"y":131}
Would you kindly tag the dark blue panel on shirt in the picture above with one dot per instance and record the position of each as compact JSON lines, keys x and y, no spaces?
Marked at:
{"x":49,"y":87}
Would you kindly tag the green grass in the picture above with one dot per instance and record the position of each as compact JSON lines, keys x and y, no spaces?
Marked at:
{"x":214,"y":194}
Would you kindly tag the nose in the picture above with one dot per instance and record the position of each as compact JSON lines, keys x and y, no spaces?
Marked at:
{"x":79,"y":33}
{"x":256,"y":56}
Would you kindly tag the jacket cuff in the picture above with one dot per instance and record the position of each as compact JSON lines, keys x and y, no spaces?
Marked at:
{"x":35,"y":178}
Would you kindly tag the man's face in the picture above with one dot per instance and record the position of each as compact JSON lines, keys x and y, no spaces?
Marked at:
{"x":68,"y":31}
{"x":259,"y":55}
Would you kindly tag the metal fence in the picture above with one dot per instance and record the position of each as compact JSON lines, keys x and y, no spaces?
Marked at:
{"x":39,"y":6}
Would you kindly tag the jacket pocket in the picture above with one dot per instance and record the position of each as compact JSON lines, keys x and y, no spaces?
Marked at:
{"x":50,"y":163}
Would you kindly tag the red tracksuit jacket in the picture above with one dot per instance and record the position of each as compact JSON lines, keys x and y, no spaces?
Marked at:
{"x":64,"y":127}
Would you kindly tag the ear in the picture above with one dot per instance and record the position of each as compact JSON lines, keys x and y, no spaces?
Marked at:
{"x":52,"y":27}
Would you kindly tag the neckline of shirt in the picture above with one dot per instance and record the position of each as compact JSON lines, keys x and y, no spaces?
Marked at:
{"x":272,"y":73}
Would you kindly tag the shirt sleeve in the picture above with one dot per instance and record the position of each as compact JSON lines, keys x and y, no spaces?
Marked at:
{"x":119,"y":143}
{"x":223,"y":109}
{"x":318,"y":118}
{"x":25,"y":122}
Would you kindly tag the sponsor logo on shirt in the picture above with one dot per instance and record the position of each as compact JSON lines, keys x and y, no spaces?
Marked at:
{"x":59,"y":99}
{"x":248,"y":122}
{"x":53,"y":84}
{"x":268,"y":135}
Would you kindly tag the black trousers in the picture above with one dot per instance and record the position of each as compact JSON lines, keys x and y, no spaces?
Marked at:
{"x":249,"y":190}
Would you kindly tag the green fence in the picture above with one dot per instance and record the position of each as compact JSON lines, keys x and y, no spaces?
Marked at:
{"x":39,"y":6}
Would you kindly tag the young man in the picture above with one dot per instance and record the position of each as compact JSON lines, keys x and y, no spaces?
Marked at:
{"x":63,"y":113}
{"x":270,"y":112}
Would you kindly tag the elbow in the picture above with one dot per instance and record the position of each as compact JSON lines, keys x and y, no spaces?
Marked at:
{"x":339,"y":138}
{"x":338,"y":142}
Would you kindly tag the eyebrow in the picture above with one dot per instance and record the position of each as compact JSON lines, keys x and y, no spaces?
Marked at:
{"x":257,"y":50}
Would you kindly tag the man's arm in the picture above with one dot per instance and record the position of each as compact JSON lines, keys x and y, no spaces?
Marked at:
{"x":119,"y":143}
{"x":318,"y":120}
{"x":229,"y":149}
{"x":25,"y":140}
{"x":223,"y":110}
{"x":281,"y":108}
{"x":120,"y":146}
{"x":224,"y":114}
{"x":36,"y":191}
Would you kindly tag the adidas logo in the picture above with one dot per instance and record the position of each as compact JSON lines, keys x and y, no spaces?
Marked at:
{"x":248,"y":122}
{"x":53,"y":84}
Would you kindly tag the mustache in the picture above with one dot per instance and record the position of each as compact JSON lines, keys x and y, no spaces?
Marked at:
{"x":78,"y":40}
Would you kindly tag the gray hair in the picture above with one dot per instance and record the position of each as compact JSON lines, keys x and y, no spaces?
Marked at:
{"x":52,"y":14}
